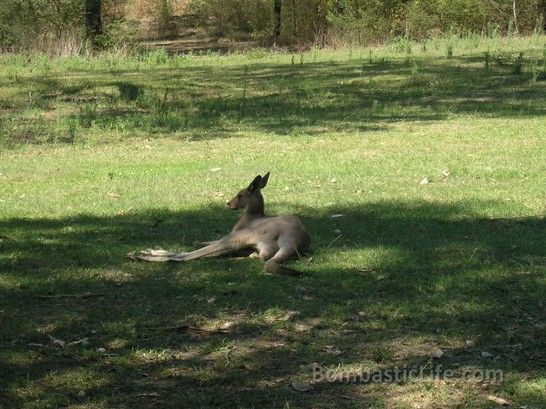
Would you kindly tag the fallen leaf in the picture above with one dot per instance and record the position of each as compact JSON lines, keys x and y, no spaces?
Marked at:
{"x":218,"y":194}
{"x":301,"y":386}
{"x":486,"y":354}
{"x":331,"y":349}
{"x":57,"y":342}
{"x":215,"y":169}
{"x":303,"y":327}
{"x":497,"y":400}
{"x":149,"y":394}
{"x":83,"y":341}
{"x":226,"y":325}
{"x":334,"y":180}
{"x":309,"y":367}
{"x":368,"y":270}
{"x":211,"y":300}
{"x":112,"y":195}
{"x":424,"y":181}
{"x":337,"y":216}
{"x":276,"y":344}
{"x":277,"y":318}
{"x":437,"y":353}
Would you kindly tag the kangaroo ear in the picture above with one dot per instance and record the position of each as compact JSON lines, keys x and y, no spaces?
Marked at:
{"x":255,"y":184}
{"x":265,"y":178}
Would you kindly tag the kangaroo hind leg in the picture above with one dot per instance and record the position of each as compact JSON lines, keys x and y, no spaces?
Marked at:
{"x":221,"y":247}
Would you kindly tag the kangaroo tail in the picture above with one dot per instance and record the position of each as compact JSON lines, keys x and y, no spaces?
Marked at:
{"x":159,"y":255}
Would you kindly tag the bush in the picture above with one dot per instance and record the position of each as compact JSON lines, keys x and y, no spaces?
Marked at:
{"x":157,"y":57}
{"x":119,"y":35}
{"x":240,"y":19}
{"x":40,"y":24}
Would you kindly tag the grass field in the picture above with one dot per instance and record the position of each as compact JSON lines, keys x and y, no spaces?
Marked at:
{"x":433,"y":154}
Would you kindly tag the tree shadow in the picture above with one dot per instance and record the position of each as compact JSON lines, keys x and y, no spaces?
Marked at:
{"x":386,"y":282}
{"x":312,"y":98}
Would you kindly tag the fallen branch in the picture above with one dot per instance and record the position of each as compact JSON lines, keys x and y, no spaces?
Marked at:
{"x":56,"y":296}
{"x":191,"y":328}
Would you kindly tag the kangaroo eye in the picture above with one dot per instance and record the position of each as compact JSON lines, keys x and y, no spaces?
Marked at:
{"x":239,"y":196}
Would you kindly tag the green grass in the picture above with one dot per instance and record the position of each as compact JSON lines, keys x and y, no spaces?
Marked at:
{"x":106,"y":155}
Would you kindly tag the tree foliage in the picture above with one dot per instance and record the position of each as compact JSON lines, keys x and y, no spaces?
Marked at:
{"x":369,"y":20}
{"x":24,"y":23}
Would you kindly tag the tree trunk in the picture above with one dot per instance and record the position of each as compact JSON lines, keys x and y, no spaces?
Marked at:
{"x":515,"y":16}
{"x":93,"y":19}
{"x":542,"y":10}
{"x":294,"y":21}
{"x":277,"y":13}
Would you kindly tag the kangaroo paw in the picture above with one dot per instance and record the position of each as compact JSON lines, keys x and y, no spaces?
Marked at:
{"x":276,"y":268}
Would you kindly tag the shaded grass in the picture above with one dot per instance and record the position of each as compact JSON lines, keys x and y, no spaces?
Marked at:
{"x":456,"y":264}
{"x":464,"y":284}
{"x":194,"y":97}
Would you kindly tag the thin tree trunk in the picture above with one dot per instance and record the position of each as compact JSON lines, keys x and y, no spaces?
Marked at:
{"x":295,"y":20}
{"x":542,"y":6}
{"x":93,"y":18}
{"x":515,"y":16}
{"x":277,"y":13}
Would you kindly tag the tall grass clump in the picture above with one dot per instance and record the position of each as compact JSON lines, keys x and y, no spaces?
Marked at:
{"x":157,"y":57}
{"x":517,"y":64}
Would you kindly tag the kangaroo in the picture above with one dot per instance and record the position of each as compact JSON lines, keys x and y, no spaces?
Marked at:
{"x":274,"y":239}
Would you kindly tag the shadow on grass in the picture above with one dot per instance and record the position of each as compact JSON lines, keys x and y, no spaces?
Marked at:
{"x":400,"y":278}
{"x":317,"y":97}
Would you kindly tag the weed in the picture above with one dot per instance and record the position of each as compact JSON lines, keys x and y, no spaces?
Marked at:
{"x":517,"y":64}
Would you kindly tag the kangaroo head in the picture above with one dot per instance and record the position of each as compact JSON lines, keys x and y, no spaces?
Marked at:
{"x":250,"y":198}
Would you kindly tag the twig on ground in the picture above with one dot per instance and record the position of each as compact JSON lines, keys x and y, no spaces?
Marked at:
{"x":56,"y":296}
{"x":191,"y":328}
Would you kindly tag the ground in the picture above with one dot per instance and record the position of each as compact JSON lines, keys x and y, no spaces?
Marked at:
{"x":418,"y":170}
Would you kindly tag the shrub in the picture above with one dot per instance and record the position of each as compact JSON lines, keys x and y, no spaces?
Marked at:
{"x":119,"y":35}
{"x":157,"y":57}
